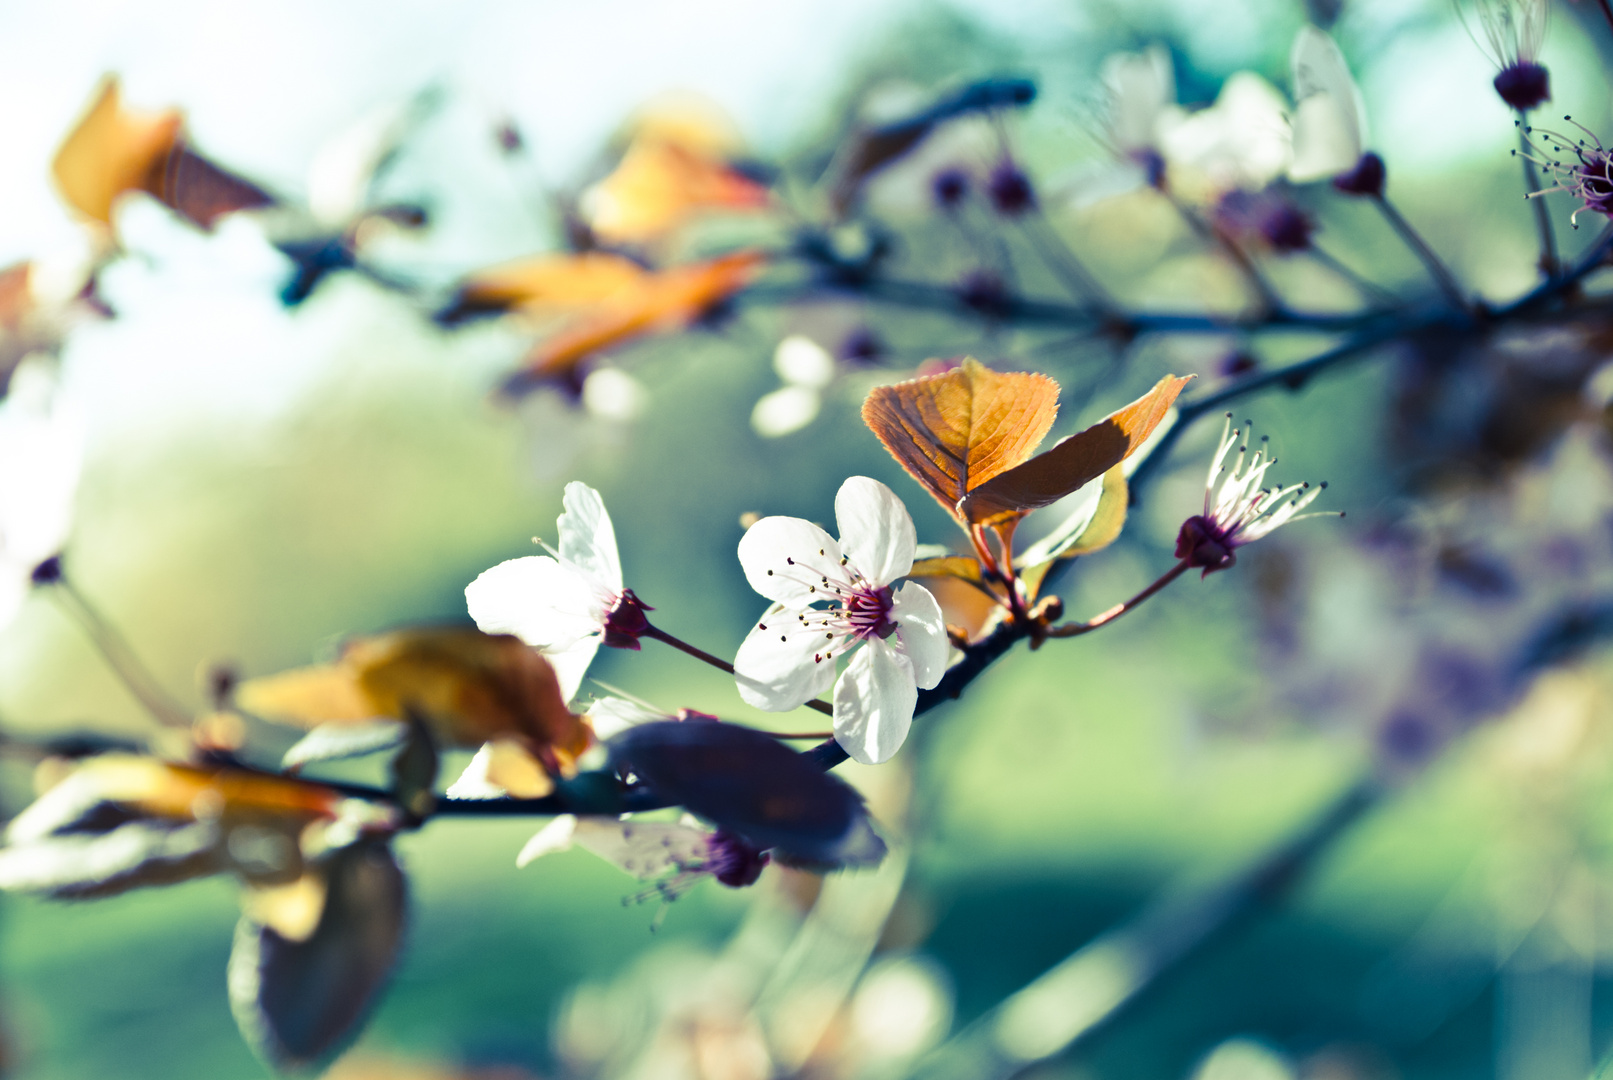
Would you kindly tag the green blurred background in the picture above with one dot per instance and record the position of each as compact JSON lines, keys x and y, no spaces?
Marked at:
{"x":263,"y":482}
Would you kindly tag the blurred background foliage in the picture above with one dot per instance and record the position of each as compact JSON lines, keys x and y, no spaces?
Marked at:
{"x":263,"y":481}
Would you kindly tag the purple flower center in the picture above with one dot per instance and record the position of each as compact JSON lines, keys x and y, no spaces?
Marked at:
{"x":1367,"y":178}
{"x":733,"y":860}
{"x":1205,"y":543}
{"x":857,"y":609}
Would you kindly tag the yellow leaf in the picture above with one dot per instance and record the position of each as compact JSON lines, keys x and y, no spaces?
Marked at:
{"x":659,"y":185}
{"x":955,"y":431}
{"x":469,"y":687}
{"x":1098,"y":531}
{"x":115,"y":149}
{"x":667,"y":300}
{"x":112,"y":150}
{"x":963,"y":567}
{"x":1072,"y":462}
{"x":547,"y":284}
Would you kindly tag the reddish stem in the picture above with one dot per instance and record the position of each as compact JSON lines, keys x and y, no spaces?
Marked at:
{"x":1076,"y":629}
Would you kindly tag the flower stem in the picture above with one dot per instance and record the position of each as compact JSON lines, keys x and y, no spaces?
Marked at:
{"x":1549,"y":264}
{"x":1060,"y":258}
{"x":1368,"y":289}
{"x":700,"y":654}
{"x":1267,"y":295}
{"x":1076,"y":629}
{"x":120,"y":657}
{"x":1436,"y":268}
{"x":1607,"y":10}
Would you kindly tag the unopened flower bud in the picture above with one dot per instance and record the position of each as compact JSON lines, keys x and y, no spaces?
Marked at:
{"x":950,"y":186}
{"x":48,"y":572}
{"x":1202,"y":544}
{"x":1524,"y":85}
{"x":1010,"y":190}
{"x":1367,"y":178}
{"x":626,"y":622}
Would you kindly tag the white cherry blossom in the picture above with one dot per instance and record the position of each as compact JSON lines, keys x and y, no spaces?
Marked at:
{"x":832,"y":596}
{"x":674,"y":854}
{"x":1329,"y":124}
{"x":559,"y":603}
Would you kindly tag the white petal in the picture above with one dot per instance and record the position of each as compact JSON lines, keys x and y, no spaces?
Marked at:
{"x":612,"y":394}
{"x":875,"y":529}
{"x":801,"y":361}
{"x":571,"y":664}
{"x":874,"y":703}
{"x":553,"y":837}
{"x":645,"y":849}
{"x":1329,"y":132}
{"x":1140,"y":86}
{"x":786,"y":410}
{"x":611,"y":715}
{"x":775,"y":669}
{"x":786,"y":559}
{"x":923,"y":633}
{"x":587,"y":537}
{"x":473,"y":783}
{"x":541,"y":601}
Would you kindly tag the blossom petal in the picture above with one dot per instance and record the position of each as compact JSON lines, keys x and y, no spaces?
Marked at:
{"x":539,"y":600}
{"x":473,"y":782}
{"x":612,"y":715}
{"x":775,"y":668}
{"x":571,"y":664}
{"x":553,"y":837}
{"x":874,"y":702}
{"x":786,"y":559}
{"x":645,"y":849}
{"x":875,"y":529}
{"x":587,"y":537}
{"x":922,"y":631}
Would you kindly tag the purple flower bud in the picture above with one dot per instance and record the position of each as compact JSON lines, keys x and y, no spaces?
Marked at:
{"x":747,"y":784}
{"x":1204,"y":544}
{"x":626,"y":622}
{"x":48,"y":572}
{"x":1266,"y":216}
{"x":950,"y":186}
{"x":734,"y":862}
{"x":984,"y":292}
{"x":1524,"y":85}
{"x":1367,"y":178}
{"x":1010,"y":190}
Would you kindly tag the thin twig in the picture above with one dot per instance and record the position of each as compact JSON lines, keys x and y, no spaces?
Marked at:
{"x":1107,"y":617}
{"x":700,"y":654}
{"x":1549,"y":264}
{"x":1436,"y":267}
{"x":120,"y":657}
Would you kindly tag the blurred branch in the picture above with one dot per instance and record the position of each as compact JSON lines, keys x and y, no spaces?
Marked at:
{"x":119,"y":655}
{"x":1055,"y":1013}
{"x":1413,"y":239}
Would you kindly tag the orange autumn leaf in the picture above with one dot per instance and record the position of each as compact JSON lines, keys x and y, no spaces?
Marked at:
{"x":667,"y":300}
{"x":677,"y":165}
{"x":469,"y":687}
{"x":1072,"y":462}
{"x":546,"y":283}
{"x":658,"y":186}
{"x":162,"y":789}
{"x":115,"y":149}
{"x":955,"y":431}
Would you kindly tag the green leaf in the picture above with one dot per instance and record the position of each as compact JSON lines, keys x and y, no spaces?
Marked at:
{"x":964,"y":567}
{"x":1092,"y":526}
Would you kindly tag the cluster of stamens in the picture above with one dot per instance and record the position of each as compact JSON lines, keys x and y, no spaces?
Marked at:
{"x":1587,"y":176}
{"x":1237,"y":510}
{"x":857,"y":608}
